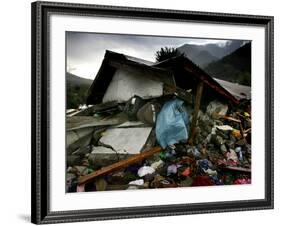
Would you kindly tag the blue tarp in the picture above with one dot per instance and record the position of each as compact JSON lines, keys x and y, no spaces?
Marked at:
{"x":172,"y":123}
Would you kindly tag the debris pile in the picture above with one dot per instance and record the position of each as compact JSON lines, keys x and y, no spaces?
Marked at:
{"x":158,"y":125}
{"x":144,"y":144}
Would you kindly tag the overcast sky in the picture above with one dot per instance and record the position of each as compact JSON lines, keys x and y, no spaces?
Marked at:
{"x":85,"y":51}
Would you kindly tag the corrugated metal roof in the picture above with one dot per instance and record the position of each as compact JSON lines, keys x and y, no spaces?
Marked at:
{"x":237,"y":90}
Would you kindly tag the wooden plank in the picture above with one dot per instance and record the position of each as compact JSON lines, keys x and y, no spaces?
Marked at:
{"x":240,"y":169}
{"x":119,"y":165}
{"x":229,"y":118}
{"x":196,"y":110}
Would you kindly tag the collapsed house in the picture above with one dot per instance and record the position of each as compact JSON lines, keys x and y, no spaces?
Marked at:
{"x":151,"y":125}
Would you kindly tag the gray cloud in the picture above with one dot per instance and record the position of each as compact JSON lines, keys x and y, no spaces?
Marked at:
{"x":85,"y":51}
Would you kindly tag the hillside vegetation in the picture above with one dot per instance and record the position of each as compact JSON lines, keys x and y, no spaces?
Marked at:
{"x":77,"y":90}
{"x":235,"y":67}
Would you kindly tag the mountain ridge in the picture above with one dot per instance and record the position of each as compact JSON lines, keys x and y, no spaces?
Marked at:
{"x":202,"y":55}
{"x":234,"y":67}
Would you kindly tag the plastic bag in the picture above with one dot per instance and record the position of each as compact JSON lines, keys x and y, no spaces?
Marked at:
{"x":172,"y":123}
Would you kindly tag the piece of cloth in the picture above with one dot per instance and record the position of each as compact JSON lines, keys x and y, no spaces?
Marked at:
{"x":202,"y":181}
{"x":80,"y":188}
{"x":186,"y":172}
{"x":172,"y":123}
{"x":172,"y":169}
{"x":145,"y":170}
{"x":137,"y":182}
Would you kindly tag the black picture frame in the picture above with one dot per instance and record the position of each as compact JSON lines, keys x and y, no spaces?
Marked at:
{"x":40,"y":212}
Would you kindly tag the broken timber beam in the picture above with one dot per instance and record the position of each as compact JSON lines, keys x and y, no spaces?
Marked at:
{"x":228,"y":118}
{"x":199,"y":92}
{"x":119,"y":165}
{"x":240,"y":169}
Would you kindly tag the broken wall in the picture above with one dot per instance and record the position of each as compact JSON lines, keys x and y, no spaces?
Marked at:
{"x":126,"y":84}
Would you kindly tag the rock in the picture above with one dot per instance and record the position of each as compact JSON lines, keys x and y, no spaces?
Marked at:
{"x":193,"y":151}
{"x":218,"y":140}
{"x":117,"y":178}
{"x":73,"y":160}
{"x":223,"y":149}
{"x":83,"y":150}
{"x":77,"y":139}
{"x":102,"y":156}
{"x":216,"y":108}
{"x":149,"y":177}
{"x":230,"y":144}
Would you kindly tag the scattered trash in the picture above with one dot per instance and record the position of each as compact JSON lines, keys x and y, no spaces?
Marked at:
{"x":172,"y":169}
{"x":243,"y":181}
{"x":140,"y":137}
{"x":210,"y":172}
{"x":186,"y":172}
{"x":225,"y":127}
{"x":202,"y":181}
{"x":137,"y":182}
{"x":168,"y":154}
{"x":238,"y":151}
{"x":216,"y":108}
{"x":81,"y":188}
{"x":157,"y":165}
{"x":145,"y":170}
{"x":236,"y":133}
{"x":231,"y":155}
{"x":193,"y":151}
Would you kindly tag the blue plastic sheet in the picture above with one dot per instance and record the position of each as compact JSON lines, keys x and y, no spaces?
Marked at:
{"x":172,"y":123}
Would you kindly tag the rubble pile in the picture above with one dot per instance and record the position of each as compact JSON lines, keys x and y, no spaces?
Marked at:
{"x":145,"y":143}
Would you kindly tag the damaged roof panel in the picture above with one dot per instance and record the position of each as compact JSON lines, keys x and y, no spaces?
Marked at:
{"x":237,"y":90}
{"x":191,"y":69}
{"x":123,"y":86}
{"x":166,"y":71}
{"x":112,"y":62}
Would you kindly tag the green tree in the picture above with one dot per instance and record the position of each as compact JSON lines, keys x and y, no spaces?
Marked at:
{"x":166,"y":53}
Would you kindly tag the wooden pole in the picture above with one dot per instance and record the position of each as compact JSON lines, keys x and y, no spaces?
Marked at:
{"x":199,"y":92}
{"x":119,"y":165}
